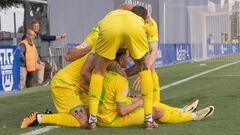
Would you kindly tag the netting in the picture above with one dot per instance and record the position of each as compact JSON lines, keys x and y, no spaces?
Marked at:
{"x":213,"y":31}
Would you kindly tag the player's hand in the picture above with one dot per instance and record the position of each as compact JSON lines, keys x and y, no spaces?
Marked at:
{"x":136,"y":84}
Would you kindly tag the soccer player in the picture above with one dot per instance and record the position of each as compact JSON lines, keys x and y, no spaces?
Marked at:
{"x":151,"y":28}
{"x":118,"y":110}
{"x":118,"y":29}
{"x":69,"y":98}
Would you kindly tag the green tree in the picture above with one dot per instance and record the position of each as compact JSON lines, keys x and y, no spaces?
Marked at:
{"x":9,"y":3}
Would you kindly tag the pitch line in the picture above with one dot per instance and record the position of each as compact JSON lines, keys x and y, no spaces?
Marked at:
{"x":40,"y":130}
{"x":197,"y":75}
{"x":48,"y":128}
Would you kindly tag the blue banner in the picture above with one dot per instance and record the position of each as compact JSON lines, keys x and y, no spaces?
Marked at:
{"x":183,"y":52}
{"x":223,"y":49}
{"x":173,"y":53}
{"x":9,"y":69}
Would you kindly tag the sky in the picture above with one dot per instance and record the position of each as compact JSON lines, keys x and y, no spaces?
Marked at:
{"x":7,"y":19}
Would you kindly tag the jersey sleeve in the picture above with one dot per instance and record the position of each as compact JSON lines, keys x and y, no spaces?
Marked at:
{"x":92,"y":36}
{"x":152,"y":31}
{"x":122,"y":91}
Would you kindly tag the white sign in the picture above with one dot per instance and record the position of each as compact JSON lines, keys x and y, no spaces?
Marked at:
{"x":6,"y":68}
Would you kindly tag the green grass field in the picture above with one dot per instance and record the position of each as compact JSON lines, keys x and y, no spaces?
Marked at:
{"x":220,"y":88}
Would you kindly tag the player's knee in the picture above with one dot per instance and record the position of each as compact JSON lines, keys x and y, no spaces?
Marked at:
{"x":157,"y":113}
{"x":81,"y":115}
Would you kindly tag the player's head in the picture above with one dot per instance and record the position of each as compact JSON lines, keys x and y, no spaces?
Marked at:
{"x":35,"y":26}
{"x":122,"y":57}
{"x":140,"y":11}
{"x":126,"y":6}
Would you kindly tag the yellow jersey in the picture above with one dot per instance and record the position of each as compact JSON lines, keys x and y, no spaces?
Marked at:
{"x":152,"y":31}
{"x":115,"y":91}
{"x":71,"y":73}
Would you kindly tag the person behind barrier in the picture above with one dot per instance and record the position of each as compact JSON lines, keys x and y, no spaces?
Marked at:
{"x":29,"y":59}
{"x":35,"y":26}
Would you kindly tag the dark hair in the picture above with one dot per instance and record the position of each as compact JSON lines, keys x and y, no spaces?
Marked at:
{"x":121,"y":52}
{"x":140,"y":11}
{"x":34,"y":22}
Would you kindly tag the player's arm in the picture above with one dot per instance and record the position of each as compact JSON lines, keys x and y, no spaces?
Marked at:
{"x":124,"y":109}
{"x":121,"y":98}
{"x":87,"y":70}
{"x":77,"y":52}
{"x":153,"y":48}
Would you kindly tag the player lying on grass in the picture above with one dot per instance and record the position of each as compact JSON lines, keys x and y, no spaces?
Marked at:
{"x":116,"y":108}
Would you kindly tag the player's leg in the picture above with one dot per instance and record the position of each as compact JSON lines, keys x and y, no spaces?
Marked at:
{"x":146,"y":88}
{"x":178,"y":117}
{"x":109,"y":40}
{"x":156,"y":86}
{"x":138,"y":48}
{"x":68,"y":105}
{"x":77,"y":118}
{"x":134,"y":118}
{"x":95,"y":88}
{"x":188,"y":108}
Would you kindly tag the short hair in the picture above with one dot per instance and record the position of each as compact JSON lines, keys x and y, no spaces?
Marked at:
{"x":29,"y":30}
{"x":34,"y":22}
{"x":121,"y":52}
{"x":140,"y":11}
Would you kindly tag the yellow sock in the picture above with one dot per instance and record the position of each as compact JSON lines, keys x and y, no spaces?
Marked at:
{"x":156,"y":88}
{"x":95,"y":91}
{"x":61,"y":119}
{"x":175,"y":117}
{"x":147,"y":90}
{"x":167,"y":107}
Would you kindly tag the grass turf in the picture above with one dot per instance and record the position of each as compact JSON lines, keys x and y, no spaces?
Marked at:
{"x":220,"y":88}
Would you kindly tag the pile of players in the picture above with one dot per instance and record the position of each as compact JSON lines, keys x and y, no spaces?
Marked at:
{"x":93,"y":89}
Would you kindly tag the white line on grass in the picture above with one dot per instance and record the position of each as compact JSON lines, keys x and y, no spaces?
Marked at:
{"x":48,"y":128}
{"x":40,"y":130}
{"x":214,"y":76}
{"x":197,"y":75}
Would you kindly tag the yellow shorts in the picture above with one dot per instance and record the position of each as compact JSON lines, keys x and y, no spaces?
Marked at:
{"x":122,"y":31}
{"x":132,"y":119}
{"x":66,"y":96}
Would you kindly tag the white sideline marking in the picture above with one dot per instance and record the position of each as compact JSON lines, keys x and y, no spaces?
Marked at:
{"x":214,"y":76}
{"x":48,"y":128}
{"x":40,"y":130}
{"x":197,"y":75}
